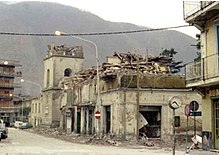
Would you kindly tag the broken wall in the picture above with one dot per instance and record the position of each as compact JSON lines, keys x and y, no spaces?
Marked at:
{"x":154,"y":81}
{"x":124,"y":109}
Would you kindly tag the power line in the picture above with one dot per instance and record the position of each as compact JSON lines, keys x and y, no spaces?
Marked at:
{"x":92,"y":33}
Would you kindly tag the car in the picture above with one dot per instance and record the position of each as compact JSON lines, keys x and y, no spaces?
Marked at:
{"x":3,"y":131}
{"x":12,"y":124}
{"x":4,"y":134}
{"x":17,"y":124}
{"x":25,"y":126}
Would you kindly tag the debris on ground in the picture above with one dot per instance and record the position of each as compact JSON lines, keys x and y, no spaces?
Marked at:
{"x":106,"y":139}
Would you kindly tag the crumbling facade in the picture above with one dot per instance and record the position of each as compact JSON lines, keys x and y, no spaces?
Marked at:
{"x":134,"y":98}
{"x":60,"y":61}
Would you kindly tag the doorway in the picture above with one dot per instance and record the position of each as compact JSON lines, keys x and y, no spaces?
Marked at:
{"x":90,"y":122}
{"x":108,"y":118}
{"x":150,"y":124}
{"x":216,"y":124}
{"x":78,"y":120}
{"x":72,"y":119}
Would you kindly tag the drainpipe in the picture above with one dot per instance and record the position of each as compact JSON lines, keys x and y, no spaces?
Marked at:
{"x":203,"y":69}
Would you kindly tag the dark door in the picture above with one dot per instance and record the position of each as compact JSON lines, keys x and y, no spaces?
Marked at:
{"x":108,"y":121}
{"x":72,"y":119}
{"x":78,"y":122}
{"x":90,"y":121}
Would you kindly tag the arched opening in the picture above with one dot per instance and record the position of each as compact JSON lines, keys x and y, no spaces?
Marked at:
{"x":67,"y":72}
{"x":48,"y":78}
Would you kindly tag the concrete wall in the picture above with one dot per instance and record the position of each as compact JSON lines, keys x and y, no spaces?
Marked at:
{"x":207,"y":114}
{"x":57,"y":66}
{"x":62,"y":63}
{"x":47,"y":108}
{"x":123,"y":110}
{"x":210,"y":48}
{"x":51,"y":108}
{"x":36,"y":112}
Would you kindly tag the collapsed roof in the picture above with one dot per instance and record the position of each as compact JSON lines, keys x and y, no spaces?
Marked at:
{"x":124,"y":63}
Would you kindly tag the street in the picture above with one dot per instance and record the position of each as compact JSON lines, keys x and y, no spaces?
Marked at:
{"x":23,"y":142}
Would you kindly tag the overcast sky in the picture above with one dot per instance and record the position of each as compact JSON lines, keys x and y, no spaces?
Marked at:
{"x":154,"y":14}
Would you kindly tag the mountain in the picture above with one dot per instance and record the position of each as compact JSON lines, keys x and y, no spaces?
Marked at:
{"x":45,"y":17}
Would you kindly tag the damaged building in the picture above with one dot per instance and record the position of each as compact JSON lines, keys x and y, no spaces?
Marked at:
{"x":60,"y":61}
{"x":134,"y":98}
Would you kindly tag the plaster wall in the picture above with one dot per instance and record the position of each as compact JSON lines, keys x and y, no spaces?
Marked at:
{"x":123,"y":113}
{"x":57,"y":66}
{"x":207,"y":114}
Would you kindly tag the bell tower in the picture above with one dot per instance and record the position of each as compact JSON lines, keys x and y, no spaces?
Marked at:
{"x":60,"y":61}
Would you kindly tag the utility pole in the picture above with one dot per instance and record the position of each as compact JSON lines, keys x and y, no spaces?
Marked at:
{"x":137,"y":99}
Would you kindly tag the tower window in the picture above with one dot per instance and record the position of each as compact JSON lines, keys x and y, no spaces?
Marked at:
{"x":67,"y":72}
{"x":48,"y":78}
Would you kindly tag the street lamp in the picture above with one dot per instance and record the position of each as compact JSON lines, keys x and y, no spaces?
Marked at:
{"x":22,"y":107}
{"x":22,"y":80}
{"x":5,"y":62}
{"x":59,"y":33}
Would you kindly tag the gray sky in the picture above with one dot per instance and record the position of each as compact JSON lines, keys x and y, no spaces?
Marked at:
{"x":154,"y":14}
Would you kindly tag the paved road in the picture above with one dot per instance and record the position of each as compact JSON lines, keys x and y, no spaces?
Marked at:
{"x":23,"y":143}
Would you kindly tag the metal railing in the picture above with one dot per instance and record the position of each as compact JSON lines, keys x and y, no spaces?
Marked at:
{"x":10,"y":62}
{"x":193,"y":71}
{"x":192,"y":7}
{"x":202,"y":69}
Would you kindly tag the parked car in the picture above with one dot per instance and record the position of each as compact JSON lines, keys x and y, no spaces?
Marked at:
{"x":3,"y":131}
{"x":12,"y":124}
{"x":17,"y":124}
{"x":25,"y":126}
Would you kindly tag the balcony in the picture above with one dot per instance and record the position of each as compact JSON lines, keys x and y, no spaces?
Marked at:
{"x":10,"y":63}
{"x":6,"y":85}
{"x":196,"y":12}
{"x":203,"y":72}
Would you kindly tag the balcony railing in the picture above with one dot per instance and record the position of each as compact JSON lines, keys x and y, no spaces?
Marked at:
{"x":203,"y":69}
{"x":193,"y":71}
{"x":10,"y":62}
{"x":192,"y":7}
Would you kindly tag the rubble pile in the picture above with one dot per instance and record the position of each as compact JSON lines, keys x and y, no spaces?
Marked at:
{"x":126,"y":63}
{"x":107,"y":139}
{"x":145,"y":141}
{"x":63,"y":50}
{"x":129,"y":63}
{"x":52,"y":131}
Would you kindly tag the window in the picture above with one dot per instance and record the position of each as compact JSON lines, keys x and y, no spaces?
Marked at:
{"x":39,"y":108}
{"x":47,"y":77}
{"x":32,"y":109}
{"x":67,"y":72}
{"x":6,"y":92}
{"x":35,"y":107}
{"x":218,"y":37}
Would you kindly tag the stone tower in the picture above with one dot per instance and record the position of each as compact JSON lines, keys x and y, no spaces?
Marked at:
{"x":60,"y":62}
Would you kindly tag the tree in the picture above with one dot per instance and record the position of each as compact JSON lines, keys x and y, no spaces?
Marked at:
{"x":198,"y":46}
{"x":168,"y":53}
{"x":174,"y":66}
